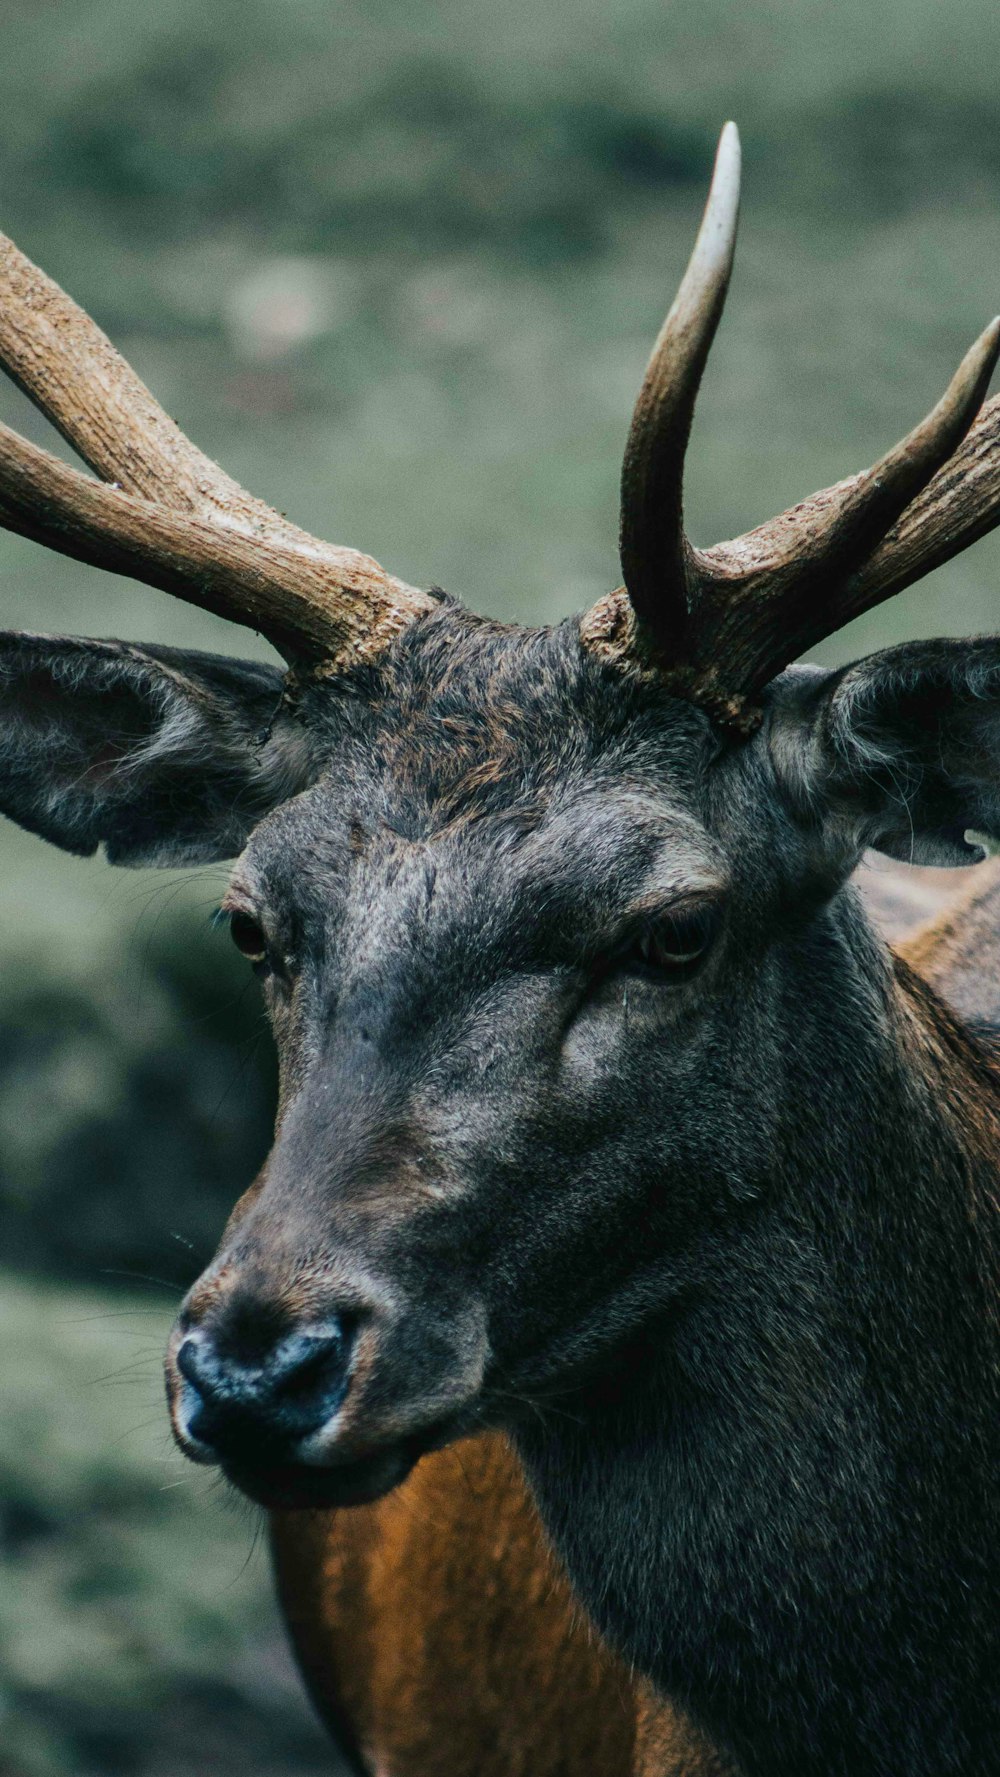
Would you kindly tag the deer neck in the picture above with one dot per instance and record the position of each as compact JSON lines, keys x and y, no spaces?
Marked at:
{"x":775,"y":1500}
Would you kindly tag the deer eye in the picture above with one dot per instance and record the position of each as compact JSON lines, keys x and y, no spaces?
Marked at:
{"x":248,"y":937}
{"x":673,"y":946}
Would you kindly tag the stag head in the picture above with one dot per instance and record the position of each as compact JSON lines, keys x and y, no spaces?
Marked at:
{"x":533,"y":910}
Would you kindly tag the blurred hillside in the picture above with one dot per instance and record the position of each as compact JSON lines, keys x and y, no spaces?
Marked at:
{"x":135,"y":1621}
{"x":399,"y":268}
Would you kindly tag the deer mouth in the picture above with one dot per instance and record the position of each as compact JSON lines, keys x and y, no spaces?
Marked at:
{"x":298,"y":1486}
{"x":355,"y":1480}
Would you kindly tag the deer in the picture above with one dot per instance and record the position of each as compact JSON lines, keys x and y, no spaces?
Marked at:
{"x":606,"y":1119}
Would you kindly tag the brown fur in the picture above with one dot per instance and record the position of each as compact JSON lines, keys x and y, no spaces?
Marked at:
{"x":438,"y":1630}
{"x":435,"y":1628}
{"x":958,"y":952}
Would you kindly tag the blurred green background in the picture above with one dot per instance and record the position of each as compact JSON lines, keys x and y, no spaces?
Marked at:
{"x":398,"y":267}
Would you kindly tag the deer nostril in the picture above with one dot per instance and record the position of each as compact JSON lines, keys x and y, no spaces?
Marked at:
{"x":192,"y":1363}
{"x":316,"y":1360}
{"x":267,"y":1405}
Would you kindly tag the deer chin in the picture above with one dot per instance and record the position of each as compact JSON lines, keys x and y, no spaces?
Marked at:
{"x":354,"y":1480}
{"x":297,"y":1486}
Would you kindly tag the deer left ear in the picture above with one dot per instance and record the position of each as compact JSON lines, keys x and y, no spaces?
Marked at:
{"x":159,"y":755}
{"x":899,"y":752}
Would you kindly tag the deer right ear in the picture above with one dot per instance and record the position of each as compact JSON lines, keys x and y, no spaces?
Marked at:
{"x":161,"y":756}
{"x":899,"y":752}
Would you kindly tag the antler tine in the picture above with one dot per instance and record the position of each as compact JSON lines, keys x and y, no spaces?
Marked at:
{"x":717,"y":624}
{"x":170,"y":516}
{"x":72,"y":372}
{"x":323,"y":608}
{"x":654,"y":554}
{"x":766,"y":597}
{"x":960,"y":505}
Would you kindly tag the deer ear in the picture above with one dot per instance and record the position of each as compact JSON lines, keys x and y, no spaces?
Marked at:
{"x":900,"y":751}
{"x":161,"y":756}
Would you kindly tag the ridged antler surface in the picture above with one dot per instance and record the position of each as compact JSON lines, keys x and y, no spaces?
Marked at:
{"x":717,"y":623}
{"x":723,"y":621}
{"x":161,"y":510}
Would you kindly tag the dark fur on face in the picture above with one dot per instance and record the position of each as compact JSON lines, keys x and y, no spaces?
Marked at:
{"x":605,"y":1117}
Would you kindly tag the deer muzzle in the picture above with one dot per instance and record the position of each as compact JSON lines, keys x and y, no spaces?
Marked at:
{"x":317,"y":1410}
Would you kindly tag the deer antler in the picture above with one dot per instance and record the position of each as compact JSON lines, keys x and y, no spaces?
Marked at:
{"x":161,"y":510}
{"x":721,"y":622}
{"x":717,"y":623}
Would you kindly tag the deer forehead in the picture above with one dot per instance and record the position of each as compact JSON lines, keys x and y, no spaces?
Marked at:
{"x":514,"y":777}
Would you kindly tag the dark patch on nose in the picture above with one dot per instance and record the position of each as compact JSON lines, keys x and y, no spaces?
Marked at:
{"x":249,"y":1331}
{"x":264,"y":1402}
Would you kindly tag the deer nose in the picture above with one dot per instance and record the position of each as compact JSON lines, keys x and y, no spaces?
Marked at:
{"x":248,"y":1408}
